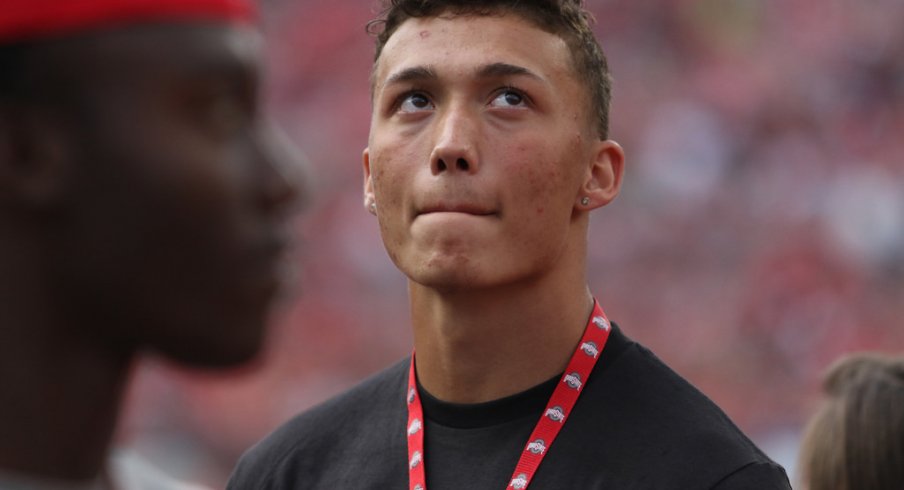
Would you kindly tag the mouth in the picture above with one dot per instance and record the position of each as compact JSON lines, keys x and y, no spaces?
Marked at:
{"x":273,"y":255}
{"x":272,"y":268}
{"x":274,"y":240}
{"x":459,"y":208}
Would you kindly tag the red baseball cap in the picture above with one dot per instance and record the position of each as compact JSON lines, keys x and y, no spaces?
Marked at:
{"x":34,"y":19}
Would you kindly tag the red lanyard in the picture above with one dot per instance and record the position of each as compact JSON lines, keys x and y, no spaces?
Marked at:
{"x":554,"y":417}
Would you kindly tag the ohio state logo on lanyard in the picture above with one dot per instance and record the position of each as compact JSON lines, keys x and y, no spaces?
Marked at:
{"x":551,"y":421}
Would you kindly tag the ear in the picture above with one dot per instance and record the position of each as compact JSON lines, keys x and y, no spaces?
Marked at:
{"x":370,"y":202}
{"x":604,"y":176}
{"x":35,"y":157}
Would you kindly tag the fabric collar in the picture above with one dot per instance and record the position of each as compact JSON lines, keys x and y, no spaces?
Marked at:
{"x":528,"y":403}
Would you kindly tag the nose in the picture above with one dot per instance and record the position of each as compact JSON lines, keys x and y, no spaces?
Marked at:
{"x":284,"y":172}
{"x":455,"y":149}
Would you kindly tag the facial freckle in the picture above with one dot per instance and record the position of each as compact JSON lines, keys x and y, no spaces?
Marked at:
{"x":540,"y":211}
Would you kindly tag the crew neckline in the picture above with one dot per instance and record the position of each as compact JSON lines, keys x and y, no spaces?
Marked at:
{"x":512,"y":408}
{"x":476,"y":415}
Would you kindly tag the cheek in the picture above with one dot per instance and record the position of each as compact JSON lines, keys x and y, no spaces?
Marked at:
{"x":541,"y":179}
{"x":392,"y":173}
{"x":389,"y":183}
{"x":204,"y":198}
{"x":204,"y":204}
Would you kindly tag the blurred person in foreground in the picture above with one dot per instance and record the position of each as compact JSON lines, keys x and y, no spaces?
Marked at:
{"x":855,"y":441}
{"x":144,"y":206}
{"x":488,"y":150}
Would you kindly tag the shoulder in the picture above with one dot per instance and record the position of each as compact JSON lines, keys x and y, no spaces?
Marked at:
{"x":756,"y":476}
{"x":662,"y":421}
{"x":310,"y":442}
{"x":129,"y":470}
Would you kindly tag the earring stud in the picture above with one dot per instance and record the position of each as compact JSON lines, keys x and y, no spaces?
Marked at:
{"x":585,"y":200}
{"x":372,"y":207}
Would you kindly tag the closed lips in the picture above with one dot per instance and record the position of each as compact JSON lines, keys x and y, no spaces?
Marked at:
{"x":458,"y":208}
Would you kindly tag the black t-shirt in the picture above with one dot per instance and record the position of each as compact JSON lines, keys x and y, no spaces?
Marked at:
{"x":636,"y":425}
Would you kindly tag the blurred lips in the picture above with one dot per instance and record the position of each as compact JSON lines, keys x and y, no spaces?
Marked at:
{"x":269,"y":257}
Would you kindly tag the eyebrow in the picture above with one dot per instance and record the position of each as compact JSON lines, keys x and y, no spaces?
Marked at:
{"x":412,"y":74}
{"x":492,"y":70}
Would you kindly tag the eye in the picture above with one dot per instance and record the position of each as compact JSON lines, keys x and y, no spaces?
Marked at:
{"x":226,"y":114}
{"x":220,"y":109}
{"x":509,"y":97}
{"x":415,"y":102}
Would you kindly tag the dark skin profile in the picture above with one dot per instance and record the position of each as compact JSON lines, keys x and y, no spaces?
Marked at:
{"x":143,"y":207}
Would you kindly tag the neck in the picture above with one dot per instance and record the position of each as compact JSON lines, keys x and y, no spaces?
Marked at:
{"x":61,"y":386}
{"x":479,"y":345}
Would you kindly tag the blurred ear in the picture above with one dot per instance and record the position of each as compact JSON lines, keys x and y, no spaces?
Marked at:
{"x":604,"y":175}
{"x":369,"y":199}
{"x":35,"y":157}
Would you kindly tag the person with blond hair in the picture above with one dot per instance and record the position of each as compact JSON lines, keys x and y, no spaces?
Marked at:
{"x":855,"y":441}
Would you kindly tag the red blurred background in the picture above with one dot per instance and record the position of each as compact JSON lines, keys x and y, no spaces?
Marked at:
{"x":759,"y":235}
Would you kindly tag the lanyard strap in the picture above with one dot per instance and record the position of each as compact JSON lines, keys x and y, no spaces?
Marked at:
{"x":554,"y":416}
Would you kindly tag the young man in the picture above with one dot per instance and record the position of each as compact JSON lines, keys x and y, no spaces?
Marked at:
{"x":488,"y":150}
{"x":143,"y":207}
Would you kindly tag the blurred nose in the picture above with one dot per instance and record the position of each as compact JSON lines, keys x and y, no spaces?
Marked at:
{"x":455,"y":148}
{"x":285,"y":173}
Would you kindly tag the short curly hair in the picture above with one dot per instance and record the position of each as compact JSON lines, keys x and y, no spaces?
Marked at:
{"x":567,"y":19}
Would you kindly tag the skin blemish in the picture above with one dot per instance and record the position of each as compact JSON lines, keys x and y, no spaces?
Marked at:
{"x":424,"y":34}
{"x":577,"y":141}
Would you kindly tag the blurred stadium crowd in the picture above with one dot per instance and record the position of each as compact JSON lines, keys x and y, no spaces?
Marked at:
{"x":760,"y":233}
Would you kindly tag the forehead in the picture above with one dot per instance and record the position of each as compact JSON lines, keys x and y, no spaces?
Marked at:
{"x":461,"y":42}
{"x":147,"y":52}
{"x":193,"y":46}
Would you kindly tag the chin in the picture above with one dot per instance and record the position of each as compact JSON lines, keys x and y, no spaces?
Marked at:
{"x":451,"y":277}
{"x":215,"y":357}
{"x":220,"y":347}
{"x":451,"y":274}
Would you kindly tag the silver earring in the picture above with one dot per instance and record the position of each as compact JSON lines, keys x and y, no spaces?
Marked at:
{"x":373,"y":208}
{"x":585,"y":200}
